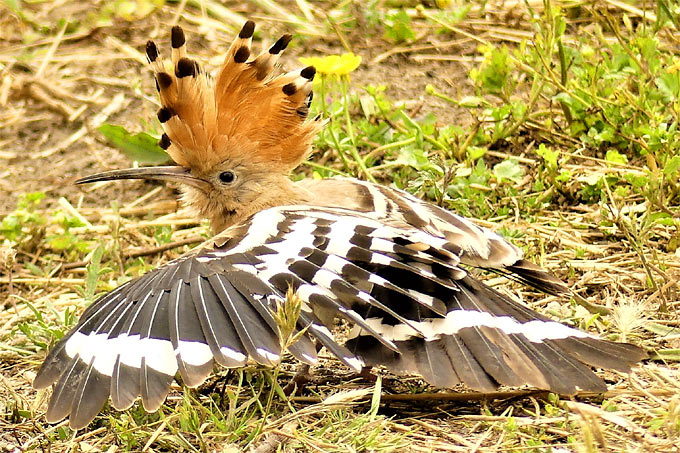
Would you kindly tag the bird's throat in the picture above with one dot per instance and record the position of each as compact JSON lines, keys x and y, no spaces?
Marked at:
{"x":223,"y":213}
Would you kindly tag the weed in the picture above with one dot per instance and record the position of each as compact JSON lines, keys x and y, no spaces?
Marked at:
{"x":25,"y":224}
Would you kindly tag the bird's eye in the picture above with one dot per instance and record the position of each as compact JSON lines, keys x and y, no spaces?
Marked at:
{"x":227,"y":177}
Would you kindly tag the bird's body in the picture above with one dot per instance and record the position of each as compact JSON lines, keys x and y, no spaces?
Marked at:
{"x":391,"y":266}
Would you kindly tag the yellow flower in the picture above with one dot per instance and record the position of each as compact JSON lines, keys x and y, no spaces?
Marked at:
{"x":674,"y":67}
{"x":339,"y":65}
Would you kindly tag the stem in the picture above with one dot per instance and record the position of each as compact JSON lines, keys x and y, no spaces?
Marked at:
{"x":350,"y":133}
{"x":330,"y":128}
{"x":325,"y":168}
{"x":380,"y":149}
{"x":270,"y":399}
{"x":563,"y":78}
{"x":535,"y":92}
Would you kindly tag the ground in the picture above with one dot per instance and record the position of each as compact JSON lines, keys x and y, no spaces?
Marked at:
{"x":553,"y":123}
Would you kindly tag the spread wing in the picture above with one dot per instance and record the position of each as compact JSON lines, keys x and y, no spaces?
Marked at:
{"x":472,"y":244}
{"x":412,"y":307}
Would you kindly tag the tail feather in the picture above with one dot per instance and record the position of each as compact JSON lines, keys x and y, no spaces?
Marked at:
{"x":493,"y":340}
{"x":435,"y":366}
{"x":467,"y":367}
{"x":603,"y":353}
{"x":536,"y":277}
{"x":491,"y":357}
{"x":564,"y":374}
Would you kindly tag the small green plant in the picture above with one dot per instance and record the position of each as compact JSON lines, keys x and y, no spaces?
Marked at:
{"x":94,"y":271}
{"x":43,"y":332}
{"x":163,"y":234}
{"x":24,"y":223}
{"x":140,"y":147}
{"x":398,"y":27}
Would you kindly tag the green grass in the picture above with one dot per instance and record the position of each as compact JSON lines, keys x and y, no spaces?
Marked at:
{"x":566,"y":141}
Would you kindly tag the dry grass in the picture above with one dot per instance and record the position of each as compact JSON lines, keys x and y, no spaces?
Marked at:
{"x":58,"y":85}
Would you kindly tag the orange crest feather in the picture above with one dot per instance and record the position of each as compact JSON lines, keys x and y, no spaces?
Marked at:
{"x":247,"y":112}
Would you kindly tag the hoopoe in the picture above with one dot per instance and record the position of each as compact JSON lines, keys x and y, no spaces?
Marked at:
{"x":385,"y":262}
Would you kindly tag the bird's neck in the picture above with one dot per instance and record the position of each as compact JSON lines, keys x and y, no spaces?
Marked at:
{"x":222,"y":216}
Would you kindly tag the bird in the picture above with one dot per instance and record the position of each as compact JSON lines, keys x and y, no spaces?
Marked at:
{"x":392,"y":270}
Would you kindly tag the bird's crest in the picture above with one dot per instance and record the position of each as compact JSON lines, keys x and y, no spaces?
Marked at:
{"x":246,"y":111}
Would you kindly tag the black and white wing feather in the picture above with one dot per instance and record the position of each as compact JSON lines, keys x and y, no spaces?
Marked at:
{"x":412,"y":306}
{"x":473,"y":245}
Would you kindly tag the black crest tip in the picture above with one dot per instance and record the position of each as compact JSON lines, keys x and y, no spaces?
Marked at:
{"x":289,"y":89}
{"x":247,"y":30}
{"x":185,"y":67}
{"x":164,"y":142}
{"x":165,"y":113}
{"x":164,"y":80}
{"x":177,"y":38}
{"x":242,"y":54}
{"x":280,"y":44}
{"x":308,"y":73}
{"x":302,"y":112}
{"x":151,"y":51}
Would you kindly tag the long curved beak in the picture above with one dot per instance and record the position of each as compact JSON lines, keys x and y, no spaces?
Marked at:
{"x":173,"y":173}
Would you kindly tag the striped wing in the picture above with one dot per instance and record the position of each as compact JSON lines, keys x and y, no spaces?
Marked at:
{"x":413,"y":308}
{"x":474,"y":245}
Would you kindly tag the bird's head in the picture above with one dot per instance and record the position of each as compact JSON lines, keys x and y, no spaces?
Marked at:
{"x":234,"y":138}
